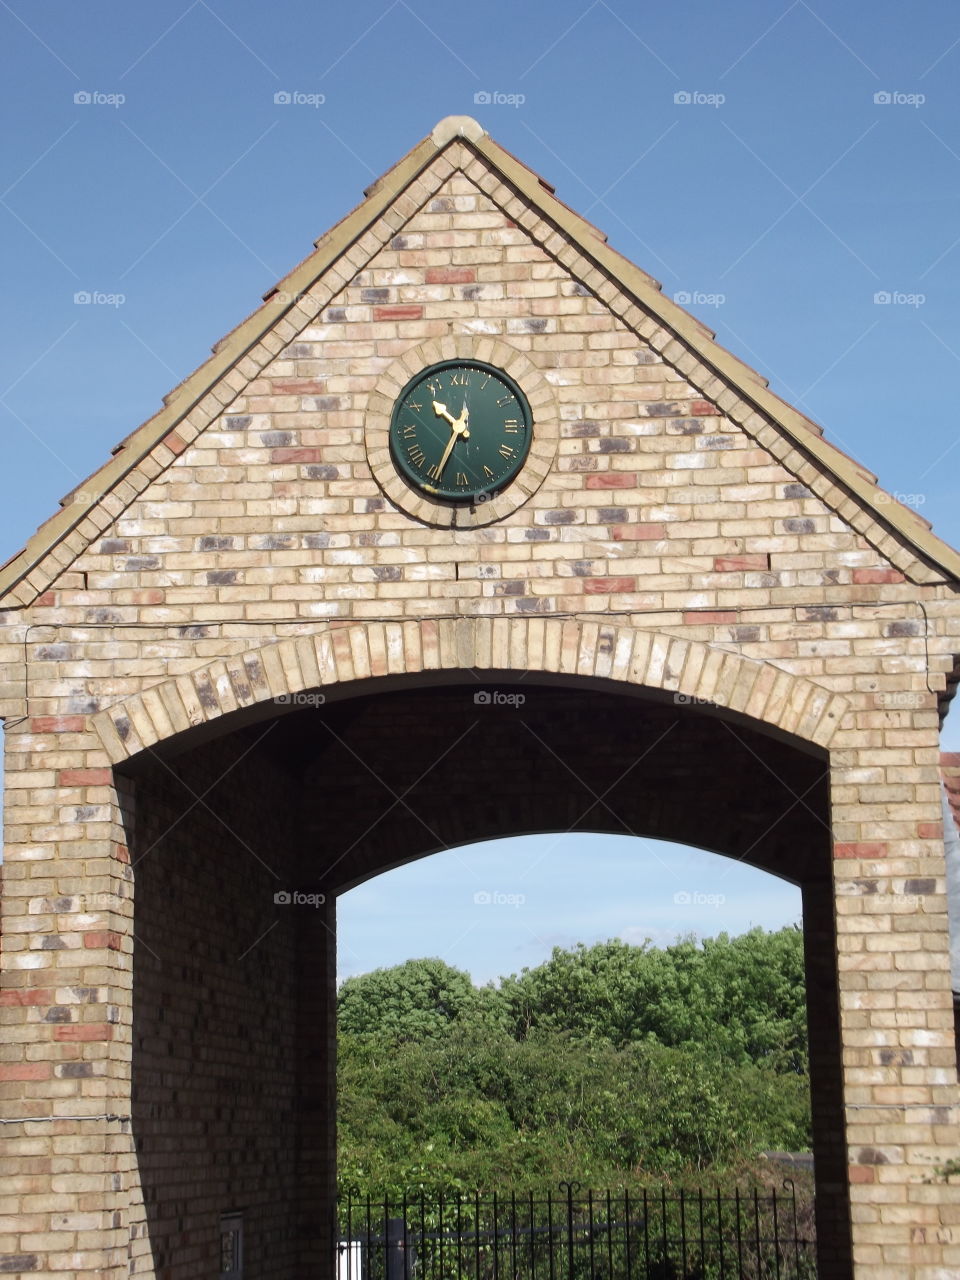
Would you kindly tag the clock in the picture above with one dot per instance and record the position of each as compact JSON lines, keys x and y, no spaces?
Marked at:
{"x":460,"y":430}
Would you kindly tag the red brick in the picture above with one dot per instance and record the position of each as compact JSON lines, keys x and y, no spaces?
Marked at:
{"x":861,"y":849}
{"x":733,"y":564}
{"x":294,"y":454}
{"x":85,"y":777}
{"x":638,"y":532}
{"x":46,"y":601}
{"x":153,"y":596}
{"x":701,"y":409}
{"x":696,"y":616}
{"x":611,"y":480}
{"x":174,"y":442}
{"x":102,"y":938}
{"x":930,"y":830}
{"x":601,"y":586}
{"x":862,"y":1173}
{"x":451,"y":275}
{"x":299,"y":386}
{"x":878,"y":575}
{"x":56,"y":724}
{"x":84,"y":1031}
{"x":24,"y":1071}
{"x":408,"y":312}
{"x":122,"y":853}
{"x":20,"y":996}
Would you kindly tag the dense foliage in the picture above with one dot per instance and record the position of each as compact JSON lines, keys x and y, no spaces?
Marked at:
{"x":610,"y":1064}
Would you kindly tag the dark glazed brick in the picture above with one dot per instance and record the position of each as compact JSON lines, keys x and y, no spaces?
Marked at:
{"x":537,"y":535}
{"x":799,"y":526}
{"x":644,"y":356}
{"x":920,"y":886}
{"x":114,"y":546}
{"x":796,"y":491}
{"x":18,"y":1262}
{"x":578,"y":430}
{"x":387,"y":573}
{"x":75,"y":1070}
{"x":322,"y":471}
{"x":904,"y":629}
{"x":237,"y":424}
{"x":689,"y":426}
{"x":136,"y":563}
{"x":274,"y":439}
{"x":559,"y":517}
{"x":514,"y":588}
{"x":375,"y":295}
{"x":617,"y":445}
{"x":611,"y":515}
{"x":214,"y":542}
{"x":660,"y":409}
{"x":580,"y":290}
{"x":315,"y":541}
{"x":222,"y":577}
{"x":533,"y":326}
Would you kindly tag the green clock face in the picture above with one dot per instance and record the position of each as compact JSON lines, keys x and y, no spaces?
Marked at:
{"x":460,"y":430}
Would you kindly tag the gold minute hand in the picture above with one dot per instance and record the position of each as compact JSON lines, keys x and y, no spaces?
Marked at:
{"x":459,"y":426}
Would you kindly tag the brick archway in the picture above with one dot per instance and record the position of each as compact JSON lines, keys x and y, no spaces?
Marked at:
{"x":688,"y":669}
{"x":196,"y":731}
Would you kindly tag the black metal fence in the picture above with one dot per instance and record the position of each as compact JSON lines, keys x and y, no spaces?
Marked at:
{"x":579,"y":1235}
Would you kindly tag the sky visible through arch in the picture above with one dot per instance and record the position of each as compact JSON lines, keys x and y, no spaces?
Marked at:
{"x":496,"y":907}
{"x":790,"y":171}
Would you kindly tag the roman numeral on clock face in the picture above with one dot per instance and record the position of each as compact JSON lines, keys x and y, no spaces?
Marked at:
{"x":507,"y":451}
{"x":461,"y":478}
{"x":417,"y":456}
{"x":511,"y":426}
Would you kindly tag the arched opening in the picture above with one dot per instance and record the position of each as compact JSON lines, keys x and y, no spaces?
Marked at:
{"x":240,"y":844}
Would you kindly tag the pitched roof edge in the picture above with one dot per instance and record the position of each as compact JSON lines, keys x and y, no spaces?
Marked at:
{"x":807,"y":435}
{"x":688,"y":329}
{"x":231,"y":348}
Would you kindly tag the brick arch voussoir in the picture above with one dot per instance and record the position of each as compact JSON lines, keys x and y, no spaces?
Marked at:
{"x":695,"y":673}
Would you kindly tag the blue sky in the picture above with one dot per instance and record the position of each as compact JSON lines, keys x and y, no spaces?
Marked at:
{"x":792,"y":168}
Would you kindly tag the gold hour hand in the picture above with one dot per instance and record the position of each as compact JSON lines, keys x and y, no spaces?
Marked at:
{"x":442,"y":412}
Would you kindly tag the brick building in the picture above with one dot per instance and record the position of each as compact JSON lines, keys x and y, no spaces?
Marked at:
{"x":241,"y":662}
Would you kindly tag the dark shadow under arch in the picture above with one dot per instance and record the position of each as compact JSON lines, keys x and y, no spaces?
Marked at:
{"x":234,"y":996}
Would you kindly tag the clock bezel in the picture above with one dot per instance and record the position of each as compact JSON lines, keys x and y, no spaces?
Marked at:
{"x":467,"y":348}
{"x":482,"y":492}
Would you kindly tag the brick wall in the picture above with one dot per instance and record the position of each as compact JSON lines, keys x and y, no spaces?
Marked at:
{"x":673,"y":539}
